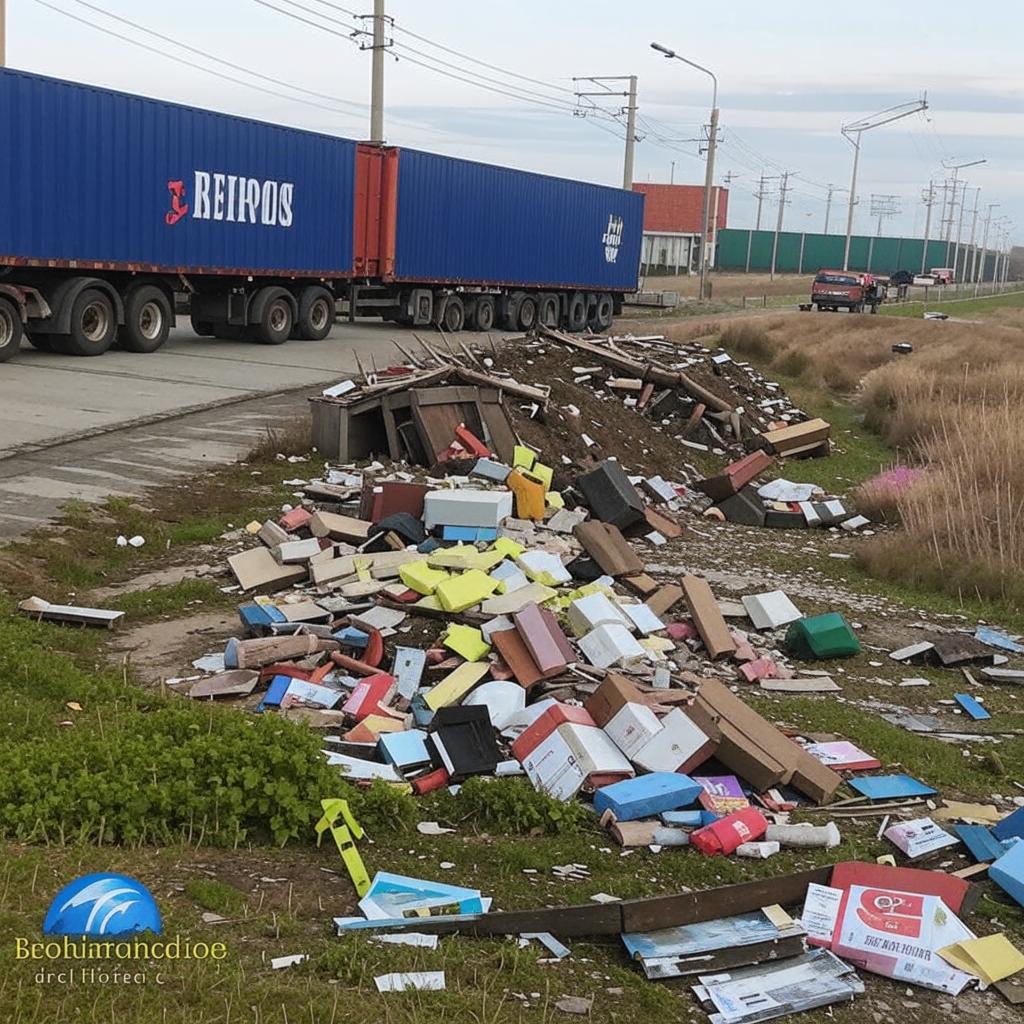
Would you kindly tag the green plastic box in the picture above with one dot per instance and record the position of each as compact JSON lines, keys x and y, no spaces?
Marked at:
{"x":822,"y":636}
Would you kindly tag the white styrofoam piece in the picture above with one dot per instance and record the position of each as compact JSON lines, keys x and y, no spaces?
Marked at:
{"x":503,"y":700}
{"x":480,"y":509}
{"x":631,"y":727}
{"x":611,"y":645}
{"x":771,"y":609}
{"x":679,"y":739}
{"x":543,"y":563}
{"x":593,"y":610}
{"x":644,"y":620}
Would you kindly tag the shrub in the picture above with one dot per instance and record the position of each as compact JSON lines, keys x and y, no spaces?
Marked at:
{"x":510,"y":806}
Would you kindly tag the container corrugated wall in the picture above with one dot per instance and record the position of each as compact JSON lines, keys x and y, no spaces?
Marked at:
{"x":470,"y":223}
{"x":86,"y":173}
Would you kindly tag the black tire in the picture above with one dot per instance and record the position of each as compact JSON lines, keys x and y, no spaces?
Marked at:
{"x":510,"y":318}
{"x":548,"y":310}
{"x":453,"y":315}
{"x":202,"y":327}
{"x":481,"y":317}
{"x":11,"y":330}
{"x":526,"y":314}
{"x":147,"y":319}
{"x":275,"y":324}
{"x":93,"y":325}
{"x":576,"y":316}
{"x":316,"y":314}
{"x":604,"y":313}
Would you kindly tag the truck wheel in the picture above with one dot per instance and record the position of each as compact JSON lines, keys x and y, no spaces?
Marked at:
{"x":548,"y":310}
{"x":576,"y":318}
{"x":11,"y":330}
{"x":93,"y":325}
{"x":316,"y":314}
{"x":453,"y":315}
{"x":481,"y":318}
{"x":202,"y":327}
{"x":147,"y":319}
{"x":604,"y":313}
{"x":276,"y":323}
{"x":510,"y":317}
{"x":526,"y":315}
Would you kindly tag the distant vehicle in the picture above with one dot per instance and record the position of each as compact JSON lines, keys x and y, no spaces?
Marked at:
{"x":942,"y":275}
{"x":835,"y":289}
{"x":901,"y":277}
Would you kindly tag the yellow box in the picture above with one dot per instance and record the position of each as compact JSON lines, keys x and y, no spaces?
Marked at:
{"x":456,"y":685}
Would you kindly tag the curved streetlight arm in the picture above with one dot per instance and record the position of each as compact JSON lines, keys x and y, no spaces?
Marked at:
{"x":672,"y":55}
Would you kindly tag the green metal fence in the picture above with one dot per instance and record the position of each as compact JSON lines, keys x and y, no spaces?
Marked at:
{"x":740,"y":249}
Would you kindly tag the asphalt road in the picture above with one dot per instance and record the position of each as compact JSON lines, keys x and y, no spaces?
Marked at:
{"x":120,"y":423}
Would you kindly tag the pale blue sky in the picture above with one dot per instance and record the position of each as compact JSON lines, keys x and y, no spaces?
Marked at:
{"x":790,"y":74}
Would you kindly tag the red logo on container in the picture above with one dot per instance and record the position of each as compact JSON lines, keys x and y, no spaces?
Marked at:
{"x":178,"y":208}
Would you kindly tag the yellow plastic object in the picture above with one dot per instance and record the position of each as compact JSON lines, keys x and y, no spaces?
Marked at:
{"x":467,"y":642}
{"x":543,"y":473}
{"x":991,"y":958}
{"x":428,"y":604}
{"x":554,"y":499}
{"x":363,"y":566}
{"x":456,"y":685}
{"x":457,"y":593}
{"x":345,"y":833}
{"x":529,"y":495}
{"x":419,"y":576}
{"x":523,"y":457}
{"x":507,"y":547}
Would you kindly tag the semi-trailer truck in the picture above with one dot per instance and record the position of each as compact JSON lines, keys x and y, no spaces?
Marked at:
{"x":113,"y":205}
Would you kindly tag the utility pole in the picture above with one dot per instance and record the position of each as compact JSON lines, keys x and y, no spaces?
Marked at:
{"x":959,"y":231}
{"x":984,"y":248}
{"x":629,"y":110}
{"x":828,"y":205}
{"x":929,"y":202}
{"x":852,"y":133}
{"x":709,"y":173}
{"x":884,"y":207}
{"x":377,"y":75}
{"x":759,"y":195}
{"x":783,"y":189}
{"x":971,"y":246}
{"x":956,"y":169}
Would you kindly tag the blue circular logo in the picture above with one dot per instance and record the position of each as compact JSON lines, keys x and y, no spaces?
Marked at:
{"x":102,"y":905}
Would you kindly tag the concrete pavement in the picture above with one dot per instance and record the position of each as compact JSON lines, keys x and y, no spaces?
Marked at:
{"x":121,"y":423}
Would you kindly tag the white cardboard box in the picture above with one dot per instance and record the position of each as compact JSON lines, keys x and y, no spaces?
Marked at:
{"x":560,"y":764}
{"x":481,"y":509}
{"x":679,"y":746}
{"x":632,"y":726}
{"x":611,"y":645}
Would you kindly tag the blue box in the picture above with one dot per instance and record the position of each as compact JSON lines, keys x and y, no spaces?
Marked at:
{"x":1011,"y":827}
{"x":647,"y":795}
{"x":1008,"y":872}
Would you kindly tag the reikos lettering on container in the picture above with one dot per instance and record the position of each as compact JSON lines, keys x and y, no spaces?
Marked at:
{"x":233,"y":198}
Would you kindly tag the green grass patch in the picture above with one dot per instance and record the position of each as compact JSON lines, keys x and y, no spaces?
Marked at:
{"x":174,"y":599}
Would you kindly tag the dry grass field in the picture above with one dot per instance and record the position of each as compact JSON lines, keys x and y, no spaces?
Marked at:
{"x":952,"y":406}
{"x":727,"y":286}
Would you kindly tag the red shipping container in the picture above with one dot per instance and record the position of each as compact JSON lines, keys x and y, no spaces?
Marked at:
{"x":726,"y":834}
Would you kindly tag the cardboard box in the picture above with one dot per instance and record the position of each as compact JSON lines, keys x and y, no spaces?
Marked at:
{"x":610,"y":697}
{"x":707,"y":617}
{"x":571,"y":757}
{"x":632,"y":726}
{"x":546,"y":724}
{"x":466,"y":508}
{"x":758,"y":752}
{"x":688,"y":737}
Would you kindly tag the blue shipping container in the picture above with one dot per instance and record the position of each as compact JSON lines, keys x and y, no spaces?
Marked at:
{"x":471,"y":223}
{"x":96,"y":176}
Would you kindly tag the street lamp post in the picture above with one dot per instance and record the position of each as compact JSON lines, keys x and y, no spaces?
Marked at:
{"x":852,"y":133}
{"x":709,"y":172}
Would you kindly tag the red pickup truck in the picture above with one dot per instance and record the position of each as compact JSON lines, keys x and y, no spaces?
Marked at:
{"x":854,"y":291}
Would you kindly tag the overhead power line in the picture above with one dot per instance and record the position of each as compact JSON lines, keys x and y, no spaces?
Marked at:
{"x":186,"y":62}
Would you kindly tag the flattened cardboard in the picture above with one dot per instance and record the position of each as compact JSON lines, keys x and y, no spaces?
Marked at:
{"x":257,"y":569}
{"x":346,"y":528}
{"x":606,"y":545}
{"x":707,"y":617}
